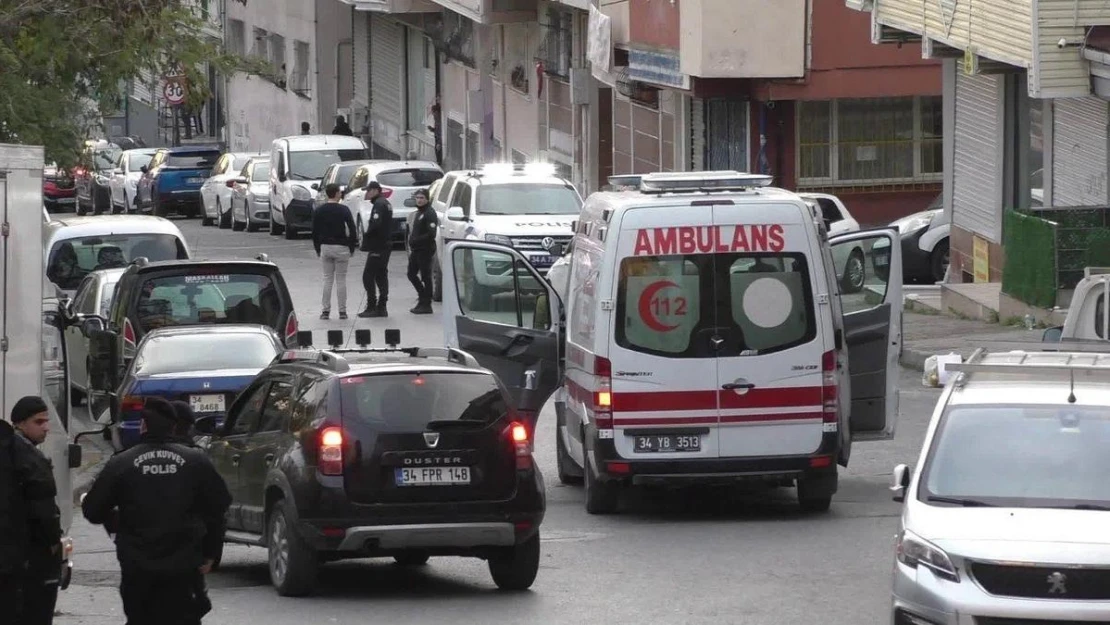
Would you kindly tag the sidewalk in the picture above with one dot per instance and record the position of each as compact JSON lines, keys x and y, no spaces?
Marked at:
{"x":926,"y":335}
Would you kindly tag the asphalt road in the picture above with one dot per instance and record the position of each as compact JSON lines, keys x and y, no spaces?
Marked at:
{"x":693,"y":557}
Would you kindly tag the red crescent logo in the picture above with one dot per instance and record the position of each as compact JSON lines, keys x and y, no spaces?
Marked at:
{"x":649,"y":293}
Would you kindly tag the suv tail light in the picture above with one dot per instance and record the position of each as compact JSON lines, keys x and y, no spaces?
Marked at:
{"x":132,"y":403}
{"x":291,"y":329}
{"x":829,"y":387}
{"x":519,"y":434}
{"x":330,"y":455}
{"x":128,"y":333}
{"x":603,"y":395}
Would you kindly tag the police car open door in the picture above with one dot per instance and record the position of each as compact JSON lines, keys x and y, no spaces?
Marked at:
{"x":507,"y":316}
{"x":867,"y":271}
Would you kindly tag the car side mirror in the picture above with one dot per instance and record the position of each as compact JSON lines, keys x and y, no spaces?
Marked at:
{"x":574,"y":226}
{"x":315,"y":186}
{"x":456,"y":213}
{"x":556,"y":250}
{"x":144,"y":169}
{"x":74,"y":455}
{"x":900,"y":482}
{"x":208,"y":425}
{"x":1053,"y":335}
{"x":104,"y":362}
{"x":90,"y":325}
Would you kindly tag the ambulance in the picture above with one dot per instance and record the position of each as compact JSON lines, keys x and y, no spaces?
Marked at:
{"x":703,"y":337}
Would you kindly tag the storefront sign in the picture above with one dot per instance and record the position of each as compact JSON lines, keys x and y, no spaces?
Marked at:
{"x":658,"y":68}
{"x":981,"y":259}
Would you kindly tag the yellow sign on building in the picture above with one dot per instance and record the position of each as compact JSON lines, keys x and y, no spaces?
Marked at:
{"x":981,"y":258}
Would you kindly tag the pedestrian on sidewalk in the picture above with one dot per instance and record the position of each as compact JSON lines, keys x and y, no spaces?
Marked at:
{"x":30,"y":523}
{"x":334,"y":237}
{"x":341,"y":127}
{"x":422,"y":250}
{"x":171,"y":504}
{"x":378,"y":247}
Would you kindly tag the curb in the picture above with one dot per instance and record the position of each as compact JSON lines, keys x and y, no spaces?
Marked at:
{"x":911,"y":358}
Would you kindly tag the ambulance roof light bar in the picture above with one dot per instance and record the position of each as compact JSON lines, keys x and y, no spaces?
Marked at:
{"x":701,"y":181}
{"x":508,"y":169}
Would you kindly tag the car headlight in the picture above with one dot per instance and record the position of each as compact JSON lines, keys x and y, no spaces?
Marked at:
{"x":914,"y":551}
{"x":499,"y":239}
{"x":301,"y":193}
{"x":913,"y":223}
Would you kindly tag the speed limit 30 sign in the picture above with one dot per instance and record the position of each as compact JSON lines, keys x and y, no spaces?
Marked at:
{"x":174,"y":92}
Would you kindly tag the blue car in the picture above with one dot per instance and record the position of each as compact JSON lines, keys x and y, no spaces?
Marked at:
{"x":171,"y":182}
{"x":206,"y":366}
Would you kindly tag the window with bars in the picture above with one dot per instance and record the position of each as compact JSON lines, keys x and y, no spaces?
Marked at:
{"x":556,"y":28}
{"x":856,"y":141}
{"x":236,"y":37}
{"x":300,"y":83}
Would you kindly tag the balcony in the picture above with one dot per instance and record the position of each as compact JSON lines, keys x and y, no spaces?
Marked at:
{"x":1045,"y":37}
{"x":493,"y":11}
{"x":743,"y":38}
{"x":394,"y":6}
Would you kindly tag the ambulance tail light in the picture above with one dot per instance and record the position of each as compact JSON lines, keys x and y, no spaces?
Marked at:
{"x":603,"y":396}
{"x":829,"y":387}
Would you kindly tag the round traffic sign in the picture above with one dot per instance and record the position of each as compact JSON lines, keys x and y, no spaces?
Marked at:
{"x":174,"y":92}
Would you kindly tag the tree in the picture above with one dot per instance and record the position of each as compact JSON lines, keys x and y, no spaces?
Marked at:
{"x":58,"y":55}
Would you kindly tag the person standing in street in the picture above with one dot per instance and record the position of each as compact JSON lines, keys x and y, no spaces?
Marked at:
{"x":377,"y":245}
{"x":422,"y":250}
{"x":334,"y":237}
{"x":170,"y":504}
{"x":341,"y":127}
{"x":30,"y":523}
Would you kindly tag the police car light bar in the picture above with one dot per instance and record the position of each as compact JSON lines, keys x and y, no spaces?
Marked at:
{"x":695,"y":181}
{"x":507,"y":169}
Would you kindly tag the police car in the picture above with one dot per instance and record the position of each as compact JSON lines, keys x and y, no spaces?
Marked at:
{"x":706,"y":338}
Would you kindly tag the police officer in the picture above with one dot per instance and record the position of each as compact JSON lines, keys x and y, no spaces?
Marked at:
{"x":376,"y":243}
{"x":171,"y":504}
{"x":422,"y":249}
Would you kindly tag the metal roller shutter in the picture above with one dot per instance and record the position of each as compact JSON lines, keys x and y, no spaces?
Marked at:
{"x":977,"y":189}
{"x":1080,"y":137}
{"x":387,"y":83}
{"x":361,"y":37}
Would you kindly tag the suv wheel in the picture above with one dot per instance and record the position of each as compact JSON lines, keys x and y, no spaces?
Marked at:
{"x":293,"y":564}
{"x":411,"y":558}
{"x":515,"y":568}
{"x":601,"y":497}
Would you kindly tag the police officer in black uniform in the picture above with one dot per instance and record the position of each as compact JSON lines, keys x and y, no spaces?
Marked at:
{"x":422,"y":250}
{"x":170,"y":504}
{"x":377,"y":245}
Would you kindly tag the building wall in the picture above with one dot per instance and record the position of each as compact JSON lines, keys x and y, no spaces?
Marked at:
{"x":644,"y":138}
{"x":1080,"y":152}
{"x":333,"y":25}
{"x":654,"y":24}
{"x":260,"y":111}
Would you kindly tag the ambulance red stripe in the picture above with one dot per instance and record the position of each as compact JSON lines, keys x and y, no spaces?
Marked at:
{"x":745,"y":418}
{"x":664,"y":401}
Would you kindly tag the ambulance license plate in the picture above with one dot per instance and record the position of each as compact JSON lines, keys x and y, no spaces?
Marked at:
{"x":432,"y":476}
{"x":667,"y":443}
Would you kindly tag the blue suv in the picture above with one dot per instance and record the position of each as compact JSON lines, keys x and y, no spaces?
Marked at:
{"x":171,"y":181}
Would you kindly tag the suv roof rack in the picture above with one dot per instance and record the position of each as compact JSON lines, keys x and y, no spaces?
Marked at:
{"x":1059,"y":360}
{"x":1095,"y":271}
{"x":332,"y":358}
{"x":692,"y":181}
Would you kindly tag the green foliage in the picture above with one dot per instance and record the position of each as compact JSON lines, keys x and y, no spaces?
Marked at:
{"x":1030,"y":270}
{"x":1098,"y":248}
{"x":62,"y":59}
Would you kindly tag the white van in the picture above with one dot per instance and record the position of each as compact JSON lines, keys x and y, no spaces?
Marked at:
{"x":297,"y":163}
{"x":706,"y":338}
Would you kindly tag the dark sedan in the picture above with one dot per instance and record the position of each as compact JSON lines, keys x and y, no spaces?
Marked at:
{"x":206,"y":366}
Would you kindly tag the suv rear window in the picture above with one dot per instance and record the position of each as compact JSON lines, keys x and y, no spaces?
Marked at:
{"x":761,"y":303}
{"x":192,"y":160}
{"x":406,"y":402}
{"x":409,"y":177}
{"x":72,"y":259}
{"x":194,"y":299}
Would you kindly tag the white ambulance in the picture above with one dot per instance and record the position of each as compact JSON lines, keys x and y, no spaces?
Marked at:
{"x":706,"y":338}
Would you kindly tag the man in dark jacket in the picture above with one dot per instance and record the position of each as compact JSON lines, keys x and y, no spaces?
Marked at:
{"x":422,"y":250}
{"x":341,"y":127}
{"x":334,"y":237}
{"x":376,"y":243}
{"x":171,"y":504}
{"x":30,"y":523}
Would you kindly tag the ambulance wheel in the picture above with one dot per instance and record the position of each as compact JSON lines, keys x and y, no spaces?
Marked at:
{"x":815,"y":493}
{"x":569,"y":472}
{"x":601,"y":497}
{"x":854,"y":273}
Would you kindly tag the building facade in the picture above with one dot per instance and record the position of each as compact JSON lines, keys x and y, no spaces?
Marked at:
{"x":1025,"y":109}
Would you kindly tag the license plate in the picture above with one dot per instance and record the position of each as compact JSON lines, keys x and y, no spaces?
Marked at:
{"x":207,"y":403}
{"x":541,"y":261}
{"x":195,"y":180}
{"x":667,"y":443}
{"x":67,"y":200}
{"x":433,"y":476}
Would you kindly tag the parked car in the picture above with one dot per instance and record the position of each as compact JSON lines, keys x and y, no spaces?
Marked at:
{"x":399,"y":180}
{"x":410,"y":453}
{"x":215,"y":193}
{"x":337,"y":173}
{"x":298,"y":162}
{"x":207,"y":367}
{"x":250,"y":196}
{"x":92,"y":176}
{"x":125,"y":178}
{"x":58,"y":190}
{"x":171,"y":182}
{"x":93,"y":297}
{"x":849,"y":261}
{"x":924,"y":238}
{"x":73,"y":247}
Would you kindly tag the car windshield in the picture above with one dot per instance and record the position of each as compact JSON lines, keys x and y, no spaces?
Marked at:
{"x":528,"y":199}
{"x":406,"y":402}
{"x":105,"y":158}
{"x":409,"y":177}
{"x":1021,"y":456}
{"x":71,"y":260}
{"x":192,"y":160}
{"x":135,"y":162}
{"x":182,"y":353}
{"x":311,"y":165}
{"x":261,"y":172}
{"x":214,"y":296}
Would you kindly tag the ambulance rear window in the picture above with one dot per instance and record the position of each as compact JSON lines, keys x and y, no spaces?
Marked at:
{"x":674,"y":305}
